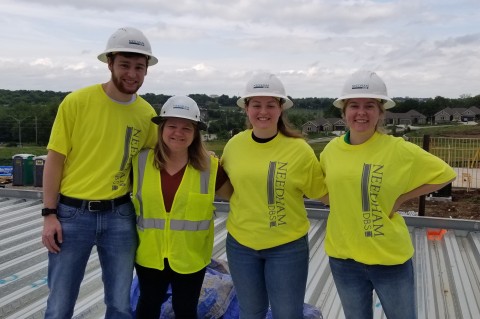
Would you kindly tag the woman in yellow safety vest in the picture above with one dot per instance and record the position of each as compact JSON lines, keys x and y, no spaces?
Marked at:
{"x":173,"y":193}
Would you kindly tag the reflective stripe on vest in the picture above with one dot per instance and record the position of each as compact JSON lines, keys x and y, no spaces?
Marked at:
{"x":175,"y":224}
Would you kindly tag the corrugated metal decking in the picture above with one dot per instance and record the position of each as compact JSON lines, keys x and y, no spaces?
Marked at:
{"x":447,"y":268}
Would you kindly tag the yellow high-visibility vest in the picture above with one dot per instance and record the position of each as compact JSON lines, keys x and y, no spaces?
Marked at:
{"x":184,"y":235}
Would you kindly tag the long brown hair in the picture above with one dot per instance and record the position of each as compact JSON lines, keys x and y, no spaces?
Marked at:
{"x":197,"y":153}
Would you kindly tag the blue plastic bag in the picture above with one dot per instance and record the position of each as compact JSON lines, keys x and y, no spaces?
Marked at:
{"x":218,"y":299}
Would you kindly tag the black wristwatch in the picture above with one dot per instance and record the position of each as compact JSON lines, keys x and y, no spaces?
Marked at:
{"x":49,"y":211}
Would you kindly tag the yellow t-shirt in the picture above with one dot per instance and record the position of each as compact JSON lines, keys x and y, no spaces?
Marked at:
{"x":363,"y":182}
{"x":270,"y":180}
{"x":99,"y":137}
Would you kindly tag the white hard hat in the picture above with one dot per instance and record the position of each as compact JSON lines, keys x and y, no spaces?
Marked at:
{"x":364,"y":84}
{"x":128,"y":39}
{"x":182,"y":107}
{"x":265,"y":84}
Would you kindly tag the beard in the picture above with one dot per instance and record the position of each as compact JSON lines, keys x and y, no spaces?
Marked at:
{"x":121,"y":87}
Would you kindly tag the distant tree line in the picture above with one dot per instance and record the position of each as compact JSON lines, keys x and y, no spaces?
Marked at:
{"x":26,"y":116}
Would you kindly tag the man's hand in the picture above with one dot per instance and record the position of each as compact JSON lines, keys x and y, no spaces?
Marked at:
{"x":52,"y":235}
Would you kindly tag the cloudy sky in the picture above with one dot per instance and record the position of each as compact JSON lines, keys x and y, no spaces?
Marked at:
{"x":421,"y":48}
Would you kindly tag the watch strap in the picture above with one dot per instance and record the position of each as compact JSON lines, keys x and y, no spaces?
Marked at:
{"x":49,"y":211}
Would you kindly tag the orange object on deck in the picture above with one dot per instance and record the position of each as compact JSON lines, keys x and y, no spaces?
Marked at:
{"x":435,"y":233}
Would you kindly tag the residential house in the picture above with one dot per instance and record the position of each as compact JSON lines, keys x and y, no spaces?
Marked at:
{"x":324,"y":125}
{"x":411,"y":117}
{"x":449,"y":114}
{"x":471,"y":114}
{"x":442,"y":116}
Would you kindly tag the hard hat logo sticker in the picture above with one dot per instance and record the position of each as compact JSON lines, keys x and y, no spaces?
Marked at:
{"x":360,"y":86}
{"x":181,"y":107}
{"x":261,"y":86}
{"x":136,"y":42}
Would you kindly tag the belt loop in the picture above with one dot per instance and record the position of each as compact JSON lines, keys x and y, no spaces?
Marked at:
{"x":84,"y":205}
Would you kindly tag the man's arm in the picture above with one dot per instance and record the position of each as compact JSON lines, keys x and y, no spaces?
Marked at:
{"x":52,"y":176}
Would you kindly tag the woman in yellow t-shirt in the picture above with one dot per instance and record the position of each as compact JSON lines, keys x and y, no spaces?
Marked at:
{"x":271,"y":168}
{"x":368,"y":175}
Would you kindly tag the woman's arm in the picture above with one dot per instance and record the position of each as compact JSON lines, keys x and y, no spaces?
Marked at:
{"x":324,"y":199}
{"x":225,"y":191}
{"x":419,"y":191}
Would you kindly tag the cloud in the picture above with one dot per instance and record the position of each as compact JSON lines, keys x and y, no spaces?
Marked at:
{"x":465,"y":40}
{"x":422,"y":48}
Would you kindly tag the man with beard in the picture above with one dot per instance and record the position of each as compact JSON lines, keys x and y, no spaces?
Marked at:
{"x":86,"y":183}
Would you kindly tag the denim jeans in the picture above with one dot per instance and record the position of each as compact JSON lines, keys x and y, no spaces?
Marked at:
{"x":394,"y":286}
{"x":276,"y":275}
{"x":115,"y":235}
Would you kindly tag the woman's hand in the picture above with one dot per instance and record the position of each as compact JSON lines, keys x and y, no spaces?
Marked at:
{"x":400,"y":200}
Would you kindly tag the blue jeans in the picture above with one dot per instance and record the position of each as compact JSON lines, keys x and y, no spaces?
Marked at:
{"x":394,"y":286}
{"x":115,"y":235}
{"x":277,"y":275}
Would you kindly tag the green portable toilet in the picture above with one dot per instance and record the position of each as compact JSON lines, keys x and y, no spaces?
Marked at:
{"x":39,"y":164}
{"x":22,"y":169}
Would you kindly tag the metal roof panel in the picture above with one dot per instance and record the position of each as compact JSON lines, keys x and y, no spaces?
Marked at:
{"x":447,"y":270}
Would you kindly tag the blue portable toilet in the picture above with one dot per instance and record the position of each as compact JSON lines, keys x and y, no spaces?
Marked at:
{"x":39,"y":164}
